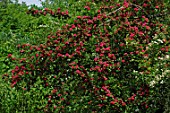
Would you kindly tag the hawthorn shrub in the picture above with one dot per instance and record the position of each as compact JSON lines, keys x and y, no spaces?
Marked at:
{"x":101,"y":62}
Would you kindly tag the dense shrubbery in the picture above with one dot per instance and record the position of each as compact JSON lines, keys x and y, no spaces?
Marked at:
{"x":101,"y":60}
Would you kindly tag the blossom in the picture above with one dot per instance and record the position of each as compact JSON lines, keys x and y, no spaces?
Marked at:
{"x":96,"y":58}
{"x":66,"y":12}
{"x":108,"y":94}
{"x":87,"y":7}
{"x":123,"y":104}
{"x":55,"y":106}
{"x":121,"y":44}
{"x":70,"y":29}
{"x":100,"y":105}
{"x":67,"y":55}
{"x":105,"y":78}
{"x":147,"y":27}
{"x":97,"y":49}
{"x":144,"y":5}
{"x":78,"y":17}
{"x":132,"y":35}
{"x":157,"y":7}
{"x":74,"y":35}
{"x":102,"y":44}
{"x":54,"y":91}
{"x":112,"y":102}
{"x":104,"y":88}
{"x":78,"y":72}
{"x":13,"y":84}
{"x":123,"y":61}
{"x":136,"y":9}
{"x":73,"y":26}
{"x":125,"y":4}
{"x":9,"y":55}
{"x":59,"y":95}
{"x":140,"y":33}
{"x":87,"y":34}
{"x":107,"y":49}
{"x":46,"y":9}
{"x":90,"y":22}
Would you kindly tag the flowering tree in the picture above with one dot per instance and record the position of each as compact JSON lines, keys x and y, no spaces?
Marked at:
{"x":102,"y":60}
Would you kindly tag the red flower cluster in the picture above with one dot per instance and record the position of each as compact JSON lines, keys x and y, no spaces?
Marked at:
{"x":92,"y":59}
{"x":46,"y":11}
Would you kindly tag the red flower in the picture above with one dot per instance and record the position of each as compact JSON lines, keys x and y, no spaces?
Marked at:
{"x":67,"y":55}
{"x":108,"y":91}
{"x":37,"y":55}
{"x":132,"y":35}
{"x":125,"y":54}
{"x":13,"y":84}
{"x":89,"y":102}
{"x":108,"y":94}
{"x":162,"y":49}
{"x":105,"y":78}
{"x":70,"y":29}
{"x":78,"y":72}
{"x":125,"y":4}
{"x":123,"y":61}
{"x":81,"y":43}
{"x":111,"y":56}
{"x":87,"y":7}
{"x":112,"y":102}
{"x":73,"y":26}
{"x":76,"y":67}
{"x":15,"y":77}
{"x":137,"y":52}
{"x":144,"y":5}
{"x":55,"y":106}
{"x":86,"y":17}
{"x":9,"y":55}
{"x":97,"y":49}
{"x":59,"y":55}
{"x":107,"y":49}
{"x":54,"y":91}
{"x":111,"y":7}
{"x":66,"y":12}
{"x":147,"y":27}
{"x":136,"y":9}
{"x":140,"y":33}
{"x":16,"y":68}
{"x":123,"y":104}
{"x":78,"y":17}
{"x":52,"y":13}
{"x":59,"y":9}
{"x":100,"y":105}
{"x":101,"y":55}
{"x":22,"y":51}
{"x":121,"y":44}
{"x":102,"y":44}
{"x":146,"y":106}
{"x":132,"y":98}
{"x":44,"y":13}
{"x":104,"y":88}
{"x":90,"y":22}
{"x":95,"y":59}
{"x":157,"y":7}
{"x":74,"y":35}
{"x":59,"y":95}
{"x":87,"y":34}
{"x":46,"y":9}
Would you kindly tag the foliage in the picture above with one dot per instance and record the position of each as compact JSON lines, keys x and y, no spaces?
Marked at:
{"x":101,"y":59}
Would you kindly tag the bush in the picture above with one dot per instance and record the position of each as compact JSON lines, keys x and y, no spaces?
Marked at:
{"x":100,"y":62}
